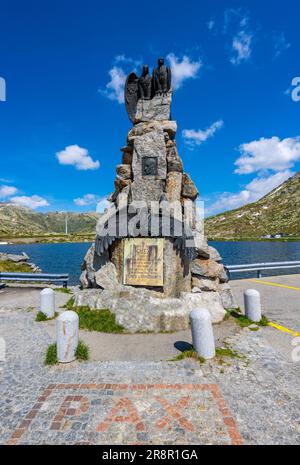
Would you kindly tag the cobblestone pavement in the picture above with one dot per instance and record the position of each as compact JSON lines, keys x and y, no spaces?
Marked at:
{"x":251,"y":400}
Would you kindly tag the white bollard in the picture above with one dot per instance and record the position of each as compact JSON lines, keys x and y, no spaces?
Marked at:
{"x":202,"y":333}
{"x":252,"y":305}
{"x":47,"y":302}
{"x":67,"y":325}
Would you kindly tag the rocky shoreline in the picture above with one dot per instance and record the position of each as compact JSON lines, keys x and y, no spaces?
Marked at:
{"x":21,"y":259}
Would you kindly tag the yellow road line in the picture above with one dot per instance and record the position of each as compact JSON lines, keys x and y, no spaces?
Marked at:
{"x":259,"y":281}
{"x":283,"y":329}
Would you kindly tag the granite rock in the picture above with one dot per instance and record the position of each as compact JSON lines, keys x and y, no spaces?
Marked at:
{"x":121,"y":183}
{"x":227,"y":298}
{"x":106,"y":277}
{"x":151,"y":144}
{"x":207,"y":268}
{"x":214,"y":254}
{"x":147,"y":192}
{"x":124,"y":171}
{"x":189,"y":189}
{"x":174,"y":161}
{"x":205,"y":284}
{"x":158,"y":108}
{"x":210,"y":300}
{"x":173,"y":190}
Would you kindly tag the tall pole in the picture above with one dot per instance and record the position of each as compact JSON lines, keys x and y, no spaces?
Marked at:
{"x":66,"y":224}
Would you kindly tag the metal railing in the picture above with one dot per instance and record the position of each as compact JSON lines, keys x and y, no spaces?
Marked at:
{"x":35,"y":277}
{"x":259,"y":267}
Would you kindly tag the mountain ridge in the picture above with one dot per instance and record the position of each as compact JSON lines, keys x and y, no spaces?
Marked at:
{"x":16,"y":221}
{"x":277,"y":212}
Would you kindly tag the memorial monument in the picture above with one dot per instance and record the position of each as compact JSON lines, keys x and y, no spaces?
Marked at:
{"x":150,"y":263}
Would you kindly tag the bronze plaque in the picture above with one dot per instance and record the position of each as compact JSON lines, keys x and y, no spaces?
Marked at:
{"x":143,"y":262}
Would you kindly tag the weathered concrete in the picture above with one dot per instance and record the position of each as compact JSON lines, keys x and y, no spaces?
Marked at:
{"x":47,"y":302}
{"x":202,"y":333}
{"x":67,"y":329}
{"x":252,"y":305}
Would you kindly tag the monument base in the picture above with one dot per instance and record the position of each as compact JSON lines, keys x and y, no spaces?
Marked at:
{"x":140,"y":310}
{"x":144,"y":308}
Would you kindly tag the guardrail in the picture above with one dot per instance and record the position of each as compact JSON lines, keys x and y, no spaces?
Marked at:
{"x":259,"y":267}
{"x":35,"y":277}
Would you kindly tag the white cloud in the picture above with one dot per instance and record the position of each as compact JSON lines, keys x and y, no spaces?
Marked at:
{"x":127,"y":60}
{"x":78,"y":157}
{"x":114,"y":89}
{"x":102,"y":205}
{"x":122,"y":66}
{"x":268,"y":154}
{"x":7,"y":191}
{"x":87,"y":199}
{"x":182,"y":69}
{"x":211,"y":24}
{"x":197,"y":137}
{"x":241,"y":46}
{"x":35,"y":201}
{"x":280,"y":44}
{"x":252,"y":192}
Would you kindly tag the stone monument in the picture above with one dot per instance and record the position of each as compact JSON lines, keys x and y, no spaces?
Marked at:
{"x":150,"y":263}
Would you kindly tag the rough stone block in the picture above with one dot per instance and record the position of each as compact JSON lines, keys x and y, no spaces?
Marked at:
{"x":107,"y":277}
{"x":173,"y":190}
{"x":207,"y":268}
{"x":227,"y":298}
{"x":124,"y":171}
{"x":205,"y":284}
{"x":157,"y":108}
{"x":210,"y":300}
{"x":189,"y":190}
{"x":147,"y":192}
{"x":173,"y":159}
{"x":150,"y":145}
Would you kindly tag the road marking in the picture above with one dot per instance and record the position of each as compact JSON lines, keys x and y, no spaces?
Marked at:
{"x":274,"y":284}
{"x":283,"y":329}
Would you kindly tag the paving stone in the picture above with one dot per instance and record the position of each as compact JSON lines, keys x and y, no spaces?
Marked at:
{"x":255,"y":399}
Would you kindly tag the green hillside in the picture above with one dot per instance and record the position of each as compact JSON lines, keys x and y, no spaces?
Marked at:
{"x":277,"y":212}
{"x":16,"y":221}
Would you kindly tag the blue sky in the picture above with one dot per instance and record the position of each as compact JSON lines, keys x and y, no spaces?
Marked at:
{"x":64,"y":121}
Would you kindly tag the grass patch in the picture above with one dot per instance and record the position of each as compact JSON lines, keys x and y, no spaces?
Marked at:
{"x":63,"y":290}
{"x":82,"y":352}
{"x":12,"y":267}
{"x":227,"y":352}
{"x":188,"y":354}
{"x":51,"y":356}
{"x":70,"y":304}
{"x":103,"y":321}
{"x":40,"y":316}
{"x":243,"y":321}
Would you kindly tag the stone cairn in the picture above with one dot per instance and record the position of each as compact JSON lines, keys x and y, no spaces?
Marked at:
{"x":185,"y":277}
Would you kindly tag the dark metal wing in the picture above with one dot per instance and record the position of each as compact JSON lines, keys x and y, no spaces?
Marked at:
{"x":169,"y":77}
{"x":131,"y":95}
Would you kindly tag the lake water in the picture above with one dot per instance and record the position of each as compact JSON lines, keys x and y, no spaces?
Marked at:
{"x":67,"y":257}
